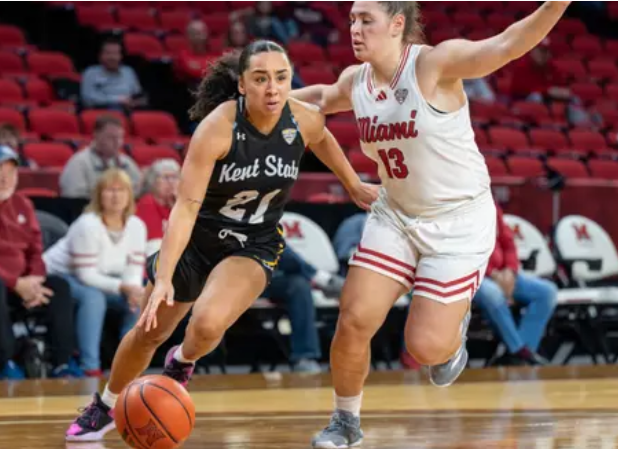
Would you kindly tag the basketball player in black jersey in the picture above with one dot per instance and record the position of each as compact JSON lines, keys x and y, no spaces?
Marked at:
{"x":223,"y":242}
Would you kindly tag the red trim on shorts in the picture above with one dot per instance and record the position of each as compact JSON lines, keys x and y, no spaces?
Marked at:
{"x":401,"y":274}
{"x":451,"y":283}
{"x":470,"y":287}
{"x":371,"y":252}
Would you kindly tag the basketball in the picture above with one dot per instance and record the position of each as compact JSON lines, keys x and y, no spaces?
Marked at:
{"x":154,"y":412}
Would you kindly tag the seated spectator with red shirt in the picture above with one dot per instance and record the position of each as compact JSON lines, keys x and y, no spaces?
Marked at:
{"x":193,"y":61}
{"x":24,"y":286}
{"x":154,"y":208}
{"x":505,"y":284}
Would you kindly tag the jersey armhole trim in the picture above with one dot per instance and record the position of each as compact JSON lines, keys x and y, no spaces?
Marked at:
{"x":433,"y":110}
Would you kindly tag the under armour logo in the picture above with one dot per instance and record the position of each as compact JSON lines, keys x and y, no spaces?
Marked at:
{"x":581,"y":232}
{"x":241,"y":136}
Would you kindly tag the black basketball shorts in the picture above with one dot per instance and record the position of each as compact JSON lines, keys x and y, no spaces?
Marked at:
{"x":202,"y":255}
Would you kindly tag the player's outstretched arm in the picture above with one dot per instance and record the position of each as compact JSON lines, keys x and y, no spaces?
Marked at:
{"x":321,"y":141}
{"x":457,"y":59}
{"x":211,"y":140}
{"x":330,"y":98}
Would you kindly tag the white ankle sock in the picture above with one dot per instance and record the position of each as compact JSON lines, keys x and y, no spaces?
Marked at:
{"x":351,"y":404}
{"x":109,"y":398}
{"x":178,"y":355}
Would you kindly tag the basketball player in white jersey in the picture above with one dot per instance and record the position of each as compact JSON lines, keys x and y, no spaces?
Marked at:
{"x":433,"y":228}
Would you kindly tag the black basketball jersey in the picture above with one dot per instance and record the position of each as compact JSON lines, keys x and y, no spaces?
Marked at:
{"x":249,"y":188}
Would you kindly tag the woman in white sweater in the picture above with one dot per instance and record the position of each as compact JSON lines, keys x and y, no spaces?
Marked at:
{"x":102,"y":257}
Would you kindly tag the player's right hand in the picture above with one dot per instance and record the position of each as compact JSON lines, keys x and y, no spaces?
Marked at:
{"x":162,"y":292}
{"x":364,"y":194}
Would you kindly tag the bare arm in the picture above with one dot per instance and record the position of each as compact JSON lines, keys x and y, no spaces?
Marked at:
{"x":327,"y":149}
{"x":457,"y":59}
{"x":211,"y":140}
{"x":331,"y":98}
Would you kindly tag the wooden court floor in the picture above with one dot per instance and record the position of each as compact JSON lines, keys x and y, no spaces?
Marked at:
{"x":550,"y":408}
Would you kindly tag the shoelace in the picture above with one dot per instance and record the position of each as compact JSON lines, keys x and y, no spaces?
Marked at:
{"x":337,"y":422}
{"x":90,"y":416}
{"x":179,"y":371}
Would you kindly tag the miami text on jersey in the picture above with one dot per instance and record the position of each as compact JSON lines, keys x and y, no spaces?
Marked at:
{"x":371,"y":132}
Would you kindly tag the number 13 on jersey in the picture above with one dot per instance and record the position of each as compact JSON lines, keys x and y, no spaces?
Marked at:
{"x":231,"y":209}
{"x":394,"y":163}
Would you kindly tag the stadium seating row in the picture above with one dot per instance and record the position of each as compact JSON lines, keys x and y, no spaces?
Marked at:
{"x":40,"y":63}
{"x":54,"y":123}
{"x":57,"y":154}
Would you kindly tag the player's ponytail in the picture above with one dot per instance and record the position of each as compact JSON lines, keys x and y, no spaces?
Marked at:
{"x":221,"y":82}
{"x":413,"y":32}
{"x":218,"y":86}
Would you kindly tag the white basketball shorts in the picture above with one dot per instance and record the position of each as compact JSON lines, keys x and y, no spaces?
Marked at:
{"x":443,"y":258}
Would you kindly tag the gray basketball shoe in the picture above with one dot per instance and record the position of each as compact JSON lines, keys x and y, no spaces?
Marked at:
{"x":446,"y":374}
{"x":343,"y":432}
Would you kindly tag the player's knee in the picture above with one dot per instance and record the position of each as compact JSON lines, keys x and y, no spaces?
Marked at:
{"x":153,"y":338}
{"x":206,"y":328}
{"x":428,"y":348}
{"x":355,"y":325}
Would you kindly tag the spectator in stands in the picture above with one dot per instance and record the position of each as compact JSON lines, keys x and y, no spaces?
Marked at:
{"x":111,"y":85}
{"x":102,"y":258}
{"x":480,"y":90}
{"x":311,"y":23}
{"x":237,"y":36}
{"x":9,"y":136}
{"x":292,"y":263}
{"x":291,"y":286}
{"x":154,"y":208}
{"x":535,"y":78}
{"x":348,"y":237}
{"x":192,"y":62}
{"x":263,"y":24}
{"x":82,"y":172}
{"x":25,"y":287}
{"x":505,"y":284}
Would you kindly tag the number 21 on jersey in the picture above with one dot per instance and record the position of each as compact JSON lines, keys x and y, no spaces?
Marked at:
{"x":394,"y":163}
{"x":231,"y":209}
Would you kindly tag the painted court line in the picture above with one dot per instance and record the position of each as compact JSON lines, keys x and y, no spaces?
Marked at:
{"x":442,"y":415}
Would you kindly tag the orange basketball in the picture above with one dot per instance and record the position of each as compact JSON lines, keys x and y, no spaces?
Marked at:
{"x":154,"y":412}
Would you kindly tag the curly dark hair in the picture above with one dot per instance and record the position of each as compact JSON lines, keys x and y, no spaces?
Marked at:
{"x":221,"y":82}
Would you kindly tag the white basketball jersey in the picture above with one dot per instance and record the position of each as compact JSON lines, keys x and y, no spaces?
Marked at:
{"x":428,"y":161}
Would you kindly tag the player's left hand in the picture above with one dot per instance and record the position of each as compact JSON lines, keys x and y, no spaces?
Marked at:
{"x":364,"y":194}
